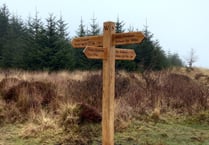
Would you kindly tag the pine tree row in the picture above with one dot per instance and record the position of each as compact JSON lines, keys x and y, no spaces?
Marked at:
{"x":35,"y":45}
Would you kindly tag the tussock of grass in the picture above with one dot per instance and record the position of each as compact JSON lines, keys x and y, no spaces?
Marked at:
{"x":29,"y":130}
{"x":41,"y":123}
{"x":69,"y":116}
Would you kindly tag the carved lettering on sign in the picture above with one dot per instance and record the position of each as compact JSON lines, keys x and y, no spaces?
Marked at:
{"x":93,"y":52}
{"x":128,"y":38}
{"x":106,"y":28}
{"x":125,"y":54}
{"x":87,"y":41}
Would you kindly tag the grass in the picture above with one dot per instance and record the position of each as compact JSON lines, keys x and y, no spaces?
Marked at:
{"x":11,"y":134}
{"x":58,"y":121}
{"x":164,"y":133}
{"x":169,"y":131}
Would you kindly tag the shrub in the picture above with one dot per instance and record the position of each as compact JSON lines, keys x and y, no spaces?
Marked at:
{"x":184,"y":94}
{"x":30,"y":95}
{"x":8,"y":83}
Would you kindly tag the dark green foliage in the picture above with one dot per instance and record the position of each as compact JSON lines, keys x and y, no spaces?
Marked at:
{"x":4,"y":26}
{"x":34,"y":46}
{"x":81,"y":30}
{"x":94,"y":28}
{"x":51,"y":49}
{"x":150,"y":55}
{"x":119,"y":26}
{"x":174,"y":60}
{"x":35,"y":42}
{"x":15,"y":44}
{"x":12,"y":40}
{"x":121,"y":64}
{"x":81,"y":61}
{"x":45,"y":46}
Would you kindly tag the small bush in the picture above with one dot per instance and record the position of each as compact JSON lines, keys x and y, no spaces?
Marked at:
{"x":184,"y":94}
{"x":78,"y":114}
{"x":90,"y":90}
{"x":8,"y":83}
{"x":89,"y":114}
{"x":69,"y":116}
{"x":30,"y":95}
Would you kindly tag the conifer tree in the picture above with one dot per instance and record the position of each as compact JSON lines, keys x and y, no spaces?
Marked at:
{"x":123,"y":64}
{"x":81,"y":29}
{"x":174,"y":60}
{"x":119,"y":26}
{"x":149,"y":53}
{"x":35,"y":43}
{"x":62,"y":28}
{"x":94,"y":27}
{"x":81,"y":60}
{"x":12,"y":43}
{"x":63,"y":56}
{"x":4,"y":26}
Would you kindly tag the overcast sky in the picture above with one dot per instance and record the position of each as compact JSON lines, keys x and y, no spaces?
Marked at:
{"x":179,"y":25}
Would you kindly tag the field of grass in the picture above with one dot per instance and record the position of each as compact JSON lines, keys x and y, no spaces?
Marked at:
{"x":64,"y":108}
{"x":170,"y":131}
{"x":166,"y":132}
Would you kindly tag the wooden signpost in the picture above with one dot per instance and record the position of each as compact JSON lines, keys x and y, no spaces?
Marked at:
{"x":103,"y":47}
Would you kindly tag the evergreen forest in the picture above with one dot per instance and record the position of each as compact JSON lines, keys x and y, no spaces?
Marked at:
{"x":44,"y":44}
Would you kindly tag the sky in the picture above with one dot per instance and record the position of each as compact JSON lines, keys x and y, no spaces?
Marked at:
{"x":178,"y":25}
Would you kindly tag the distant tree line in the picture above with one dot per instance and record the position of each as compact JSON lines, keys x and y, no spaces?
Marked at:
{"x":35,"y":45}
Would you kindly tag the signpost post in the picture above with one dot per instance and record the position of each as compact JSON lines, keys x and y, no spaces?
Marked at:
{"x":103,"y":47}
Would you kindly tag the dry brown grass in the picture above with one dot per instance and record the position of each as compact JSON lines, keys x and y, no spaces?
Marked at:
{"x":30,"y":95}
{"x":2,"y":115}
{"x":8,"y":83}
{"x":135,"y":94}
{"x":67,"y":100}
{"x":69,"y":116}
{"x":41,"y":122}
{"x":199,"y":74}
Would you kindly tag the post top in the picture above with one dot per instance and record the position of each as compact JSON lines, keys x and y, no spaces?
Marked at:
{"x":109,"y":22}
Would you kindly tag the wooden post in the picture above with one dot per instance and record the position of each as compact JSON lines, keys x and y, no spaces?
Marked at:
{"x":109,"y":54}
{"x":108,"y":85}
